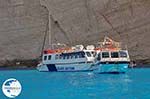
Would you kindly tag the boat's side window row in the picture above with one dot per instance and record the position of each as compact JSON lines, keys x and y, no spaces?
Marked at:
{"x":121,"y":54}
{"x":70,"y":55}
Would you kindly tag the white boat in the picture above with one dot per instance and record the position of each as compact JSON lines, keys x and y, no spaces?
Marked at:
{"x":113,"y":61}
{"x":67,"y":60}
{"x":62,"y":58}
{"x":111,"y":58}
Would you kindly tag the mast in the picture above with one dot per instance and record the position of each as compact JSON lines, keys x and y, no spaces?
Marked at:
{"x":48,"y":28}
{"x":49,"y":22}
{"x":45,"y":35}
{"x":50,"y":31}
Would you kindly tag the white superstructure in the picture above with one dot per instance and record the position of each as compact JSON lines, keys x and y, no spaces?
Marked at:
{"x":67,"y":60}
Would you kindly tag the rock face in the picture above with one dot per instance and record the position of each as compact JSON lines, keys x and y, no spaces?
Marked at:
{"x":24,"y":22}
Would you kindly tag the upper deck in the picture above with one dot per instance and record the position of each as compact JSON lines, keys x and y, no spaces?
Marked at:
{"x":68,"y":57}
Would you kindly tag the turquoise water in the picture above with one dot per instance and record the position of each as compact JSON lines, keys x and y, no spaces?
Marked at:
{"x":135,"y":84}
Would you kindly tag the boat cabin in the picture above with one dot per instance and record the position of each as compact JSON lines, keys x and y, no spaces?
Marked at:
{"x":112,"y":56}
{"x":66,"y":57}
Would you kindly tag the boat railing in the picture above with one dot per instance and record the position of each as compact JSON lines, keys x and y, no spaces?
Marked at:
{"x":109,"y":44}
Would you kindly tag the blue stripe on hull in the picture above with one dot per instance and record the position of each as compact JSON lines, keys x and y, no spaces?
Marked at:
{"x":51,"y":67}
{"x":54,"y":67}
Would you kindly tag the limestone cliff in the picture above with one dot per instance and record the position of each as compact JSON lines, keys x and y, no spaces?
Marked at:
{"x":24,"y":22}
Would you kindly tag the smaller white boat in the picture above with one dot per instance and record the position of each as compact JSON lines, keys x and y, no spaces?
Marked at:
{"x":67,"y":59}
{"x":111,"y":58}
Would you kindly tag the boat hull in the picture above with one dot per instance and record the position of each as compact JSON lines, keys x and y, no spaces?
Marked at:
{"x":65,"y":68}
{"x":112,"y":68}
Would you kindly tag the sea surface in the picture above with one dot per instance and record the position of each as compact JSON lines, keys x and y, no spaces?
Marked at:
{"x":135,"y":84}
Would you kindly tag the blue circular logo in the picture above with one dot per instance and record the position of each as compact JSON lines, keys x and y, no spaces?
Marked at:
{"x":11,"y":88}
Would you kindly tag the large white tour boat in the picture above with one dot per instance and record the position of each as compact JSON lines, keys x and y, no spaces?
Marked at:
{"x":67,"y":59}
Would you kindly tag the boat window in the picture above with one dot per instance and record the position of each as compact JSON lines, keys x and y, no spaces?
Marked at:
{"x":60,"y":56}
{"x":76,"y":56}
{"x":93,"y":53}
{"x":105,"y":54}
{"x":45,"y":57}
{"x":49,"y":57}
{"x":81,"y":55}
{"x":114,"y":55}
{"x":71,"y":56}
{"x":63,"y":56}
{"x":68,"y":56}
{"x":56,"y":56}
{"x":123,"y":54}
{"x":88,"y":54}
{"x":99,"y":56}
